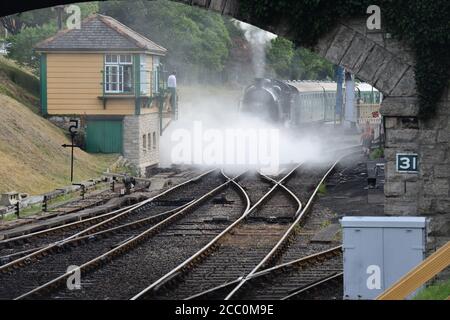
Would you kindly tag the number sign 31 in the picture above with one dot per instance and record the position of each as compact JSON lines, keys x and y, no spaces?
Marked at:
{"x":407,"y":162}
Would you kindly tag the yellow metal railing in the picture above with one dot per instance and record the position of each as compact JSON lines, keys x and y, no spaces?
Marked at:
{"x":415,"y":278}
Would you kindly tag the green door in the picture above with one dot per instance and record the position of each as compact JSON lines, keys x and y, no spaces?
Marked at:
{"x":104,"y":136}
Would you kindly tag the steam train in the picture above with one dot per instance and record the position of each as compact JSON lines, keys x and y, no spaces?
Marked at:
{"x":294,"y":103}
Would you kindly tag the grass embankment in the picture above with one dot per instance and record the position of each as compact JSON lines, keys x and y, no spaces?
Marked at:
{"x":31,"y":157}
{"x":438,"y":291}
{"x":19,"y":83}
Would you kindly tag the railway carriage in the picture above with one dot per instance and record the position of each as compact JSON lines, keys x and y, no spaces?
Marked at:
{"x":296,"y":103}
{"x":315,"y":102}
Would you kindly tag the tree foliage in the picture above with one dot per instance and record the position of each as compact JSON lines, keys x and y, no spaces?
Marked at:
{"x":193,"y":37}
{"x":22,"y":44}
{"x":297,"y":64}
{"x":279,"y":56}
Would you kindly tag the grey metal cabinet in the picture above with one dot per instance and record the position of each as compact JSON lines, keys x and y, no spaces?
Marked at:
{"x":378,"y":251}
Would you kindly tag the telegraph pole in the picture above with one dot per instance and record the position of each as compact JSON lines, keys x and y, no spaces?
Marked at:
{"x":59,"y":13}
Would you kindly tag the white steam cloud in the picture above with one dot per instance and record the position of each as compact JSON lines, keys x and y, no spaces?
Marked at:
{"x":258,"y":40}
{"x":292,"y":146}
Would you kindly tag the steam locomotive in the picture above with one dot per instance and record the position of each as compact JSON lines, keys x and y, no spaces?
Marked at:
{"x":294,"y":103}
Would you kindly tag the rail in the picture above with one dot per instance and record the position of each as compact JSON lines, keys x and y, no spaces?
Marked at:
{"x":172,"y":274}
{"x":278,"y":269}
{"x":317,"y":284}
{"x":43,"y":251}
{"x":127,"y":245}
{"x":210,"y":246}
{"x":285,"y":238}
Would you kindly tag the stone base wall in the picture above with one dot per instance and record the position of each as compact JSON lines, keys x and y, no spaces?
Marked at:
{"x":63,"y":122}
{"x":137,"y":131}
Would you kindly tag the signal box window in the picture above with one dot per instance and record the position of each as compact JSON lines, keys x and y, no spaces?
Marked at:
{"x":118,"y":73}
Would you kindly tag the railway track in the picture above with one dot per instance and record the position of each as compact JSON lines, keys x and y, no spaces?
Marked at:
{"x":238,"y":250}
{"x":42,"y":266}
{"x":147,"y":252}
{"x":292,"y":244}
{"x":17,"y":247}
{"x":191,"y":247}
{"x":318,"y":275}
{"x":289,"y":280}
{"x":254,"y":244}
{"x":330,"y":287}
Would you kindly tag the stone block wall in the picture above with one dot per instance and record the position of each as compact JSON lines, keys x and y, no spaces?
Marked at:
{"x":137,"y":131}
{"x":428,"y":192}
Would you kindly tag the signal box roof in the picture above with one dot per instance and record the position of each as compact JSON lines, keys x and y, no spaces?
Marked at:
{"x":100,"y":33}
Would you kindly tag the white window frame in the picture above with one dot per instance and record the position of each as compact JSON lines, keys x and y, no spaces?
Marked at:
{"x":108,"y":78}
{"x":116,"y":61}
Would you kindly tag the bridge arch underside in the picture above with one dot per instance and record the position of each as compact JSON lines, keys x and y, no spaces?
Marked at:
{"x":388,"y":64}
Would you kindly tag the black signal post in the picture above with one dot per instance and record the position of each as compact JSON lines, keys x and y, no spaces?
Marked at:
{"x":73,"y":132}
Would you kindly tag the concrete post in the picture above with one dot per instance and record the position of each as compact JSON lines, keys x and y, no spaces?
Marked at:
{"x":339,"y":81}
{"x":349,"y":113}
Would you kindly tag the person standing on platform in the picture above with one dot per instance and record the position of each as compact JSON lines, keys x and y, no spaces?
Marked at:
{"x":367,"y":138}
